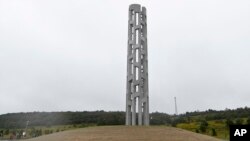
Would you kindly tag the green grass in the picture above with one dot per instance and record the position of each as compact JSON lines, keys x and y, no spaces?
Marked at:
{"x":45,"y":129}
{"x":219,"y":125}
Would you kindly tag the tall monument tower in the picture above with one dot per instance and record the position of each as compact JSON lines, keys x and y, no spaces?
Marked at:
{"x":137,"y":103}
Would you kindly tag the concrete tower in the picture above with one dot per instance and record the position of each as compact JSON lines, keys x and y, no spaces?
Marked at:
{"x":137,"y":103}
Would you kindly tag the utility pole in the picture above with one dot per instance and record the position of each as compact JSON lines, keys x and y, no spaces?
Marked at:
{"x":176,"y":112}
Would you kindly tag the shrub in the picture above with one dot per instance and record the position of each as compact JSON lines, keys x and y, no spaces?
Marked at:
{"x":213,"y":132}
{"x":248,"y":120}
{"x":46,"y":131}
{"x":7,"y":131}
{"x":239,"y":121}
{"x":229,"y":122}
{"x":203,"y":126}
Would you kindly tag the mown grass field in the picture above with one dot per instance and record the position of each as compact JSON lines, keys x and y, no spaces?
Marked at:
{"x":113,"y":133}
{"x":126,"y":133}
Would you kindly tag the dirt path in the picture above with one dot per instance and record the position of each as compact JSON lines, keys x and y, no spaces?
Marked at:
{"x":125,"y":133}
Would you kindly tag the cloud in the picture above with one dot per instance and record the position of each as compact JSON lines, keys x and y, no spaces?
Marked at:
{"x":71,"y":55}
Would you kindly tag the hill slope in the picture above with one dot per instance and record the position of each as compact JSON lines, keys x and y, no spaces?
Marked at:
{"x":126,"y":133}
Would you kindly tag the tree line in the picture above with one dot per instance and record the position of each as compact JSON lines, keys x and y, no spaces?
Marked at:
{"x":19,"y":120}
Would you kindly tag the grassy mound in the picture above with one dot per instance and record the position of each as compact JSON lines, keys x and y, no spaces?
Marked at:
{"x":126,"y":133}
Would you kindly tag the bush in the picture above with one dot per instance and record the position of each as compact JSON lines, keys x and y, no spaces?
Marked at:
{"x":203,"y":126}
{"x":213,"y":132}
{"x":7,"y":131}
{"x":46,"y":131}
{"x":239,"y":121}
{"x":204,"y":122}
{"x":174,"y":124}
{"x":229,"y":122}
{"x":248,"y":120}
{"x":39,"y":132}
{"x":1,"y":133}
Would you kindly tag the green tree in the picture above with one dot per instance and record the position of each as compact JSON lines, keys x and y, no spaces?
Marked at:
{"x":239,"y":121}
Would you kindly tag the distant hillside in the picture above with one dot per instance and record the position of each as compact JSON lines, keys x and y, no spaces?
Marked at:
{"x":18,"y":120}
{"x":210,"y":114}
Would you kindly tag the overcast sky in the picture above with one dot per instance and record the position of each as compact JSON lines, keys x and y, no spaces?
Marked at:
{"x":70,"y":55}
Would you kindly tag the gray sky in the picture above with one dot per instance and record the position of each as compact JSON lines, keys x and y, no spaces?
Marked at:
{"x":70,"y":55}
